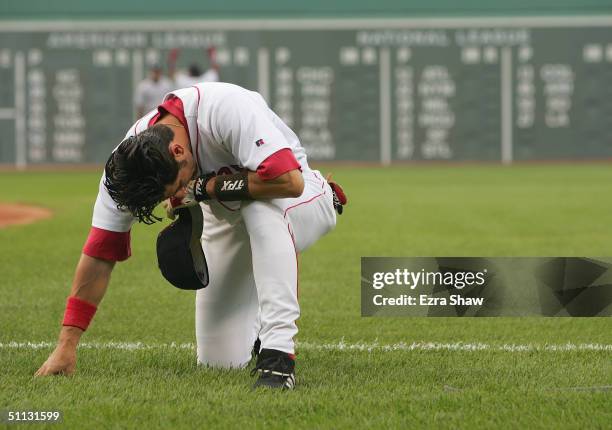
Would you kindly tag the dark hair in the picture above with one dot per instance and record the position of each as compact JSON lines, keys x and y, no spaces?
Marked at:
{"x":139,"y":170}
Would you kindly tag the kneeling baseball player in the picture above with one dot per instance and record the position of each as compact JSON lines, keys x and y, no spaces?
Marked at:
{"x":216,"y":150}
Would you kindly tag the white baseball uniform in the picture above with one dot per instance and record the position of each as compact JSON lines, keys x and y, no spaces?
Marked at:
{"x":251,"y":246}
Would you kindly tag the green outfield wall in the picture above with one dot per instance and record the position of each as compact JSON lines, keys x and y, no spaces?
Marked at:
{"x":207,"y":9}
{"x":388,"y":82}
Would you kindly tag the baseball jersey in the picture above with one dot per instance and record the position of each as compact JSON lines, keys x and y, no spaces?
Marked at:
{"x":230,"y":129}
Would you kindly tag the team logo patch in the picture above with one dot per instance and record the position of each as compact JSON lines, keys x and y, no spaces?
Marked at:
{"x":259,"y":142}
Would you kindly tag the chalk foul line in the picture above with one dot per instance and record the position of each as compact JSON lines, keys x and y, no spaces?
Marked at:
{"x":340,"y":345}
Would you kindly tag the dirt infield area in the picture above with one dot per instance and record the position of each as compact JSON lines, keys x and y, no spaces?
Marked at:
{"x":18,"y":214}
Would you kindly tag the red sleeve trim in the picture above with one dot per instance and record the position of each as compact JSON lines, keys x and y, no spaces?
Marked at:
{"x":108,"y":245}
{"x":280,"y":162}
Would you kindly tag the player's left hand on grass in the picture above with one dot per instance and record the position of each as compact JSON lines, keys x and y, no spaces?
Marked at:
{"x":62,"y":361}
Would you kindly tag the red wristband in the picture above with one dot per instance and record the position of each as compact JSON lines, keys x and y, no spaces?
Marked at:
{"x":78,"y":313}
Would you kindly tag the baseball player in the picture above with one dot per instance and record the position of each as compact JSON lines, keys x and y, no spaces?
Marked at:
{"x":151,"y":91}
{"x":194,"y":75}
{"x":220,"y":146}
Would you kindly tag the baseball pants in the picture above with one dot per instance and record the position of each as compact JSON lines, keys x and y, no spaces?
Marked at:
{"x":252,"y":261}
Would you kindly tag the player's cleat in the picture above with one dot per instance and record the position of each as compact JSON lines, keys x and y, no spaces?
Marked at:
{"x":276,"y":370}
{"x":339,"y":197}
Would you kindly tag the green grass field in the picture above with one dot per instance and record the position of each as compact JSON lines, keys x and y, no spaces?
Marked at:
{"x":551,"y":210}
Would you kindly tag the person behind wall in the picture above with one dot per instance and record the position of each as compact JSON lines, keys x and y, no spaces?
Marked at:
{"x":193,"y":75}
{"x":151,"y":91}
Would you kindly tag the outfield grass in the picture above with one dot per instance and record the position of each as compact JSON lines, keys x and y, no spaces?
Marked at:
{"x":400,"y":211}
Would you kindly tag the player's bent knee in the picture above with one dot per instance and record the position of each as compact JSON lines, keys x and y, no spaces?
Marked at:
{"x":220,"y":361}
{"x":224,"y":350}
{"x":223,"y":364}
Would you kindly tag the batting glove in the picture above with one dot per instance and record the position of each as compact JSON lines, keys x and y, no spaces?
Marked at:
{"x":197,"y":188}
{"x":173,"y":204}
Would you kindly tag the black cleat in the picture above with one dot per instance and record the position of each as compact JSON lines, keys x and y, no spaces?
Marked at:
{"x":276,"y":370}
